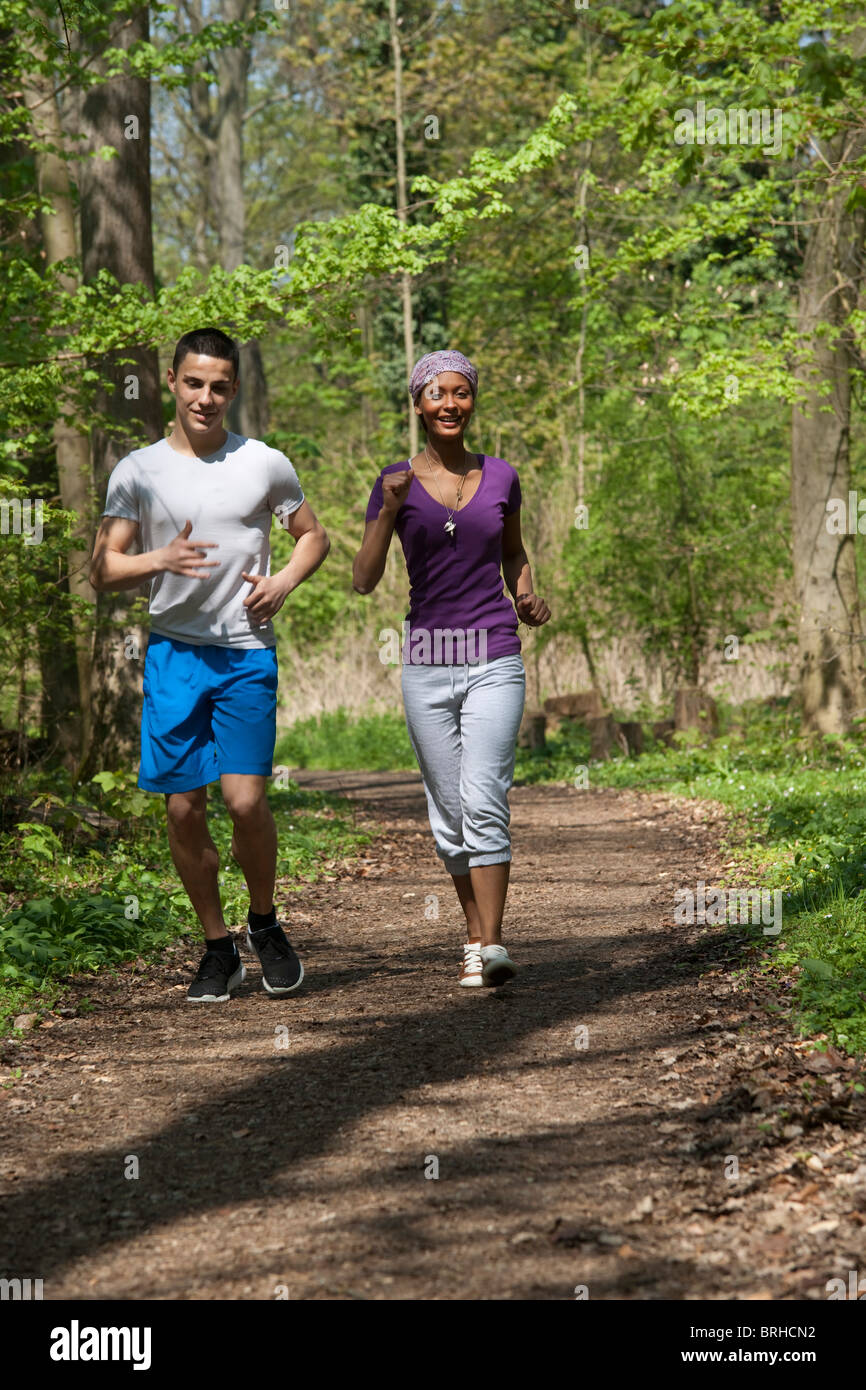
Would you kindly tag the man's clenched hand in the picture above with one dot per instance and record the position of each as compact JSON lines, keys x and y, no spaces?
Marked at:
{"x":267,"y":598}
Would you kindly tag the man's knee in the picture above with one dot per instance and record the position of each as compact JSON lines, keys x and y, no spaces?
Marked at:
{"x":246,"y":802}
{"x":186,"y":810}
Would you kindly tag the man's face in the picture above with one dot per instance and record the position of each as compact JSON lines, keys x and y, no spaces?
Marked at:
{"x":203,"y":388}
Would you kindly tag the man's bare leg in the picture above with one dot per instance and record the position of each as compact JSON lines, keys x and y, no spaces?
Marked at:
{"x":196,"y":857}
{"x":254,"y":839}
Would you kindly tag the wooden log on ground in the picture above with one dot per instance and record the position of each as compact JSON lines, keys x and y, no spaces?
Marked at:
{"x":695,"y":709}
{"x":532,"y":732}
{"x":633,"y":732}
{"x":605,"y":734}
{"x":663,"y":731}
{"x":582,"y":705}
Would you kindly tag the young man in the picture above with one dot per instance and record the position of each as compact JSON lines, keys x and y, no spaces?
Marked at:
{"x":201,"y":503}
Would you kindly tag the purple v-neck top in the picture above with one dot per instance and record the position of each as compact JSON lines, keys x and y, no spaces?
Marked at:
{"x":455,"y":580}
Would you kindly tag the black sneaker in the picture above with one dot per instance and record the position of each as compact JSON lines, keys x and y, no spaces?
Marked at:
{"x":281,"y":970}
{"x":218,"y":974}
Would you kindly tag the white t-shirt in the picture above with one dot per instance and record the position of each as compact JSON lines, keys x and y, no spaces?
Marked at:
{"x":229,"y":496}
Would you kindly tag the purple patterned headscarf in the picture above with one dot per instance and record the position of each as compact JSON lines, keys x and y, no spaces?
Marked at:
{"x":434,"y":363}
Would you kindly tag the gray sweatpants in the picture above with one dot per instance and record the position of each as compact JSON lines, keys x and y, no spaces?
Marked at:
{"x":463,"y":723}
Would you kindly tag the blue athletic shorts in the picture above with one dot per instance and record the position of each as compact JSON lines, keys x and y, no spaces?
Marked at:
{"x":207,"y":710}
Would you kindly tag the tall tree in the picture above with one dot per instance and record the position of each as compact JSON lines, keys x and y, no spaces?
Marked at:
{"x":116,"y":236}
{"x":405,"y":279}
{"x":211,"y":114}
{"x":249,"y":411}
{"x":67,"y":683}
{"x":830,"y":636}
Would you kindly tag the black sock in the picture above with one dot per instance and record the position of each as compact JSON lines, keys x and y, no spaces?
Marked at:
{"x":222,"y":943}
{"x":259,"y":920}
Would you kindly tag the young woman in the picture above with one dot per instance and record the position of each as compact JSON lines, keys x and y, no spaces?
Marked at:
{"x":458,"y":518}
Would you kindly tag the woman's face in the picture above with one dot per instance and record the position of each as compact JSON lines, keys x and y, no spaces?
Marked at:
{"x":445,"y":405}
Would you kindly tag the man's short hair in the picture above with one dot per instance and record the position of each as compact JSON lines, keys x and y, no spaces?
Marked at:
{"x":207,"y":342}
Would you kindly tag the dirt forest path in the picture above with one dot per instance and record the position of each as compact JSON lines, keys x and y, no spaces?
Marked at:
{"x":582,"y":1119}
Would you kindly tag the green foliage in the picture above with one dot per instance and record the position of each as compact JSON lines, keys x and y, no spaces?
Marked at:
{"x":827,"y":951}
{"x":73,"y":907}
{"x":54,"y":937}
{"x":36,"y":609}
{"x":375,"y":743}
{"x":121,"y":796}
{"x":682,"y":542}
{"x":329,"y":265}
{"x":38,"y":841}
{"x":689,"y":284}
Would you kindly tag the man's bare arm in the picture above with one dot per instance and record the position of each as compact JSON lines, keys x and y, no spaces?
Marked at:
{"x":312,"y":544}
{"x":112,"y":569}
{"x":311,"y":547}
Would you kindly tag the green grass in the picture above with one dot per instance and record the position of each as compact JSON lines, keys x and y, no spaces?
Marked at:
{"x":76,"y":898}
{"x":338,"y":742}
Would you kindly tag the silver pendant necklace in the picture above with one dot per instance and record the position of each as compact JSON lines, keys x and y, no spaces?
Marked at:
{"x":450,"y":525}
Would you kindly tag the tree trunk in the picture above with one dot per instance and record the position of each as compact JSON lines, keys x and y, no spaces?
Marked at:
{"x":582,"y":184}
{"x":248,"y":413}
{"x":663,"y":731}
{"x":204,"y":119}
{"x":825,"y":576}
{"x":405,"y":280}
{"x":66,"y":673}
{"x":582,"y":704}
{"x":605,"y":734}
{"x":832,"y":675}
{"x":116,"y":236}
{"x":695,"y":709}
{"x":59,"y":678}
{"x":253,"y":413}
{"x":367,"y":416}
{"x":532,"y":731}
{"x":633,"y":731}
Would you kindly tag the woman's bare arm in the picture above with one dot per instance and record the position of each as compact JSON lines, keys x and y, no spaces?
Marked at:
{"x":518,"y":575}
{"x":369,"y":563}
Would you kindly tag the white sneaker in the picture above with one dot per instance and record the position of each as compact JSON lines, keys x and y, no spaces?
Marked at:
{"x":497,"y":967}
{"x":471,"y":973}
